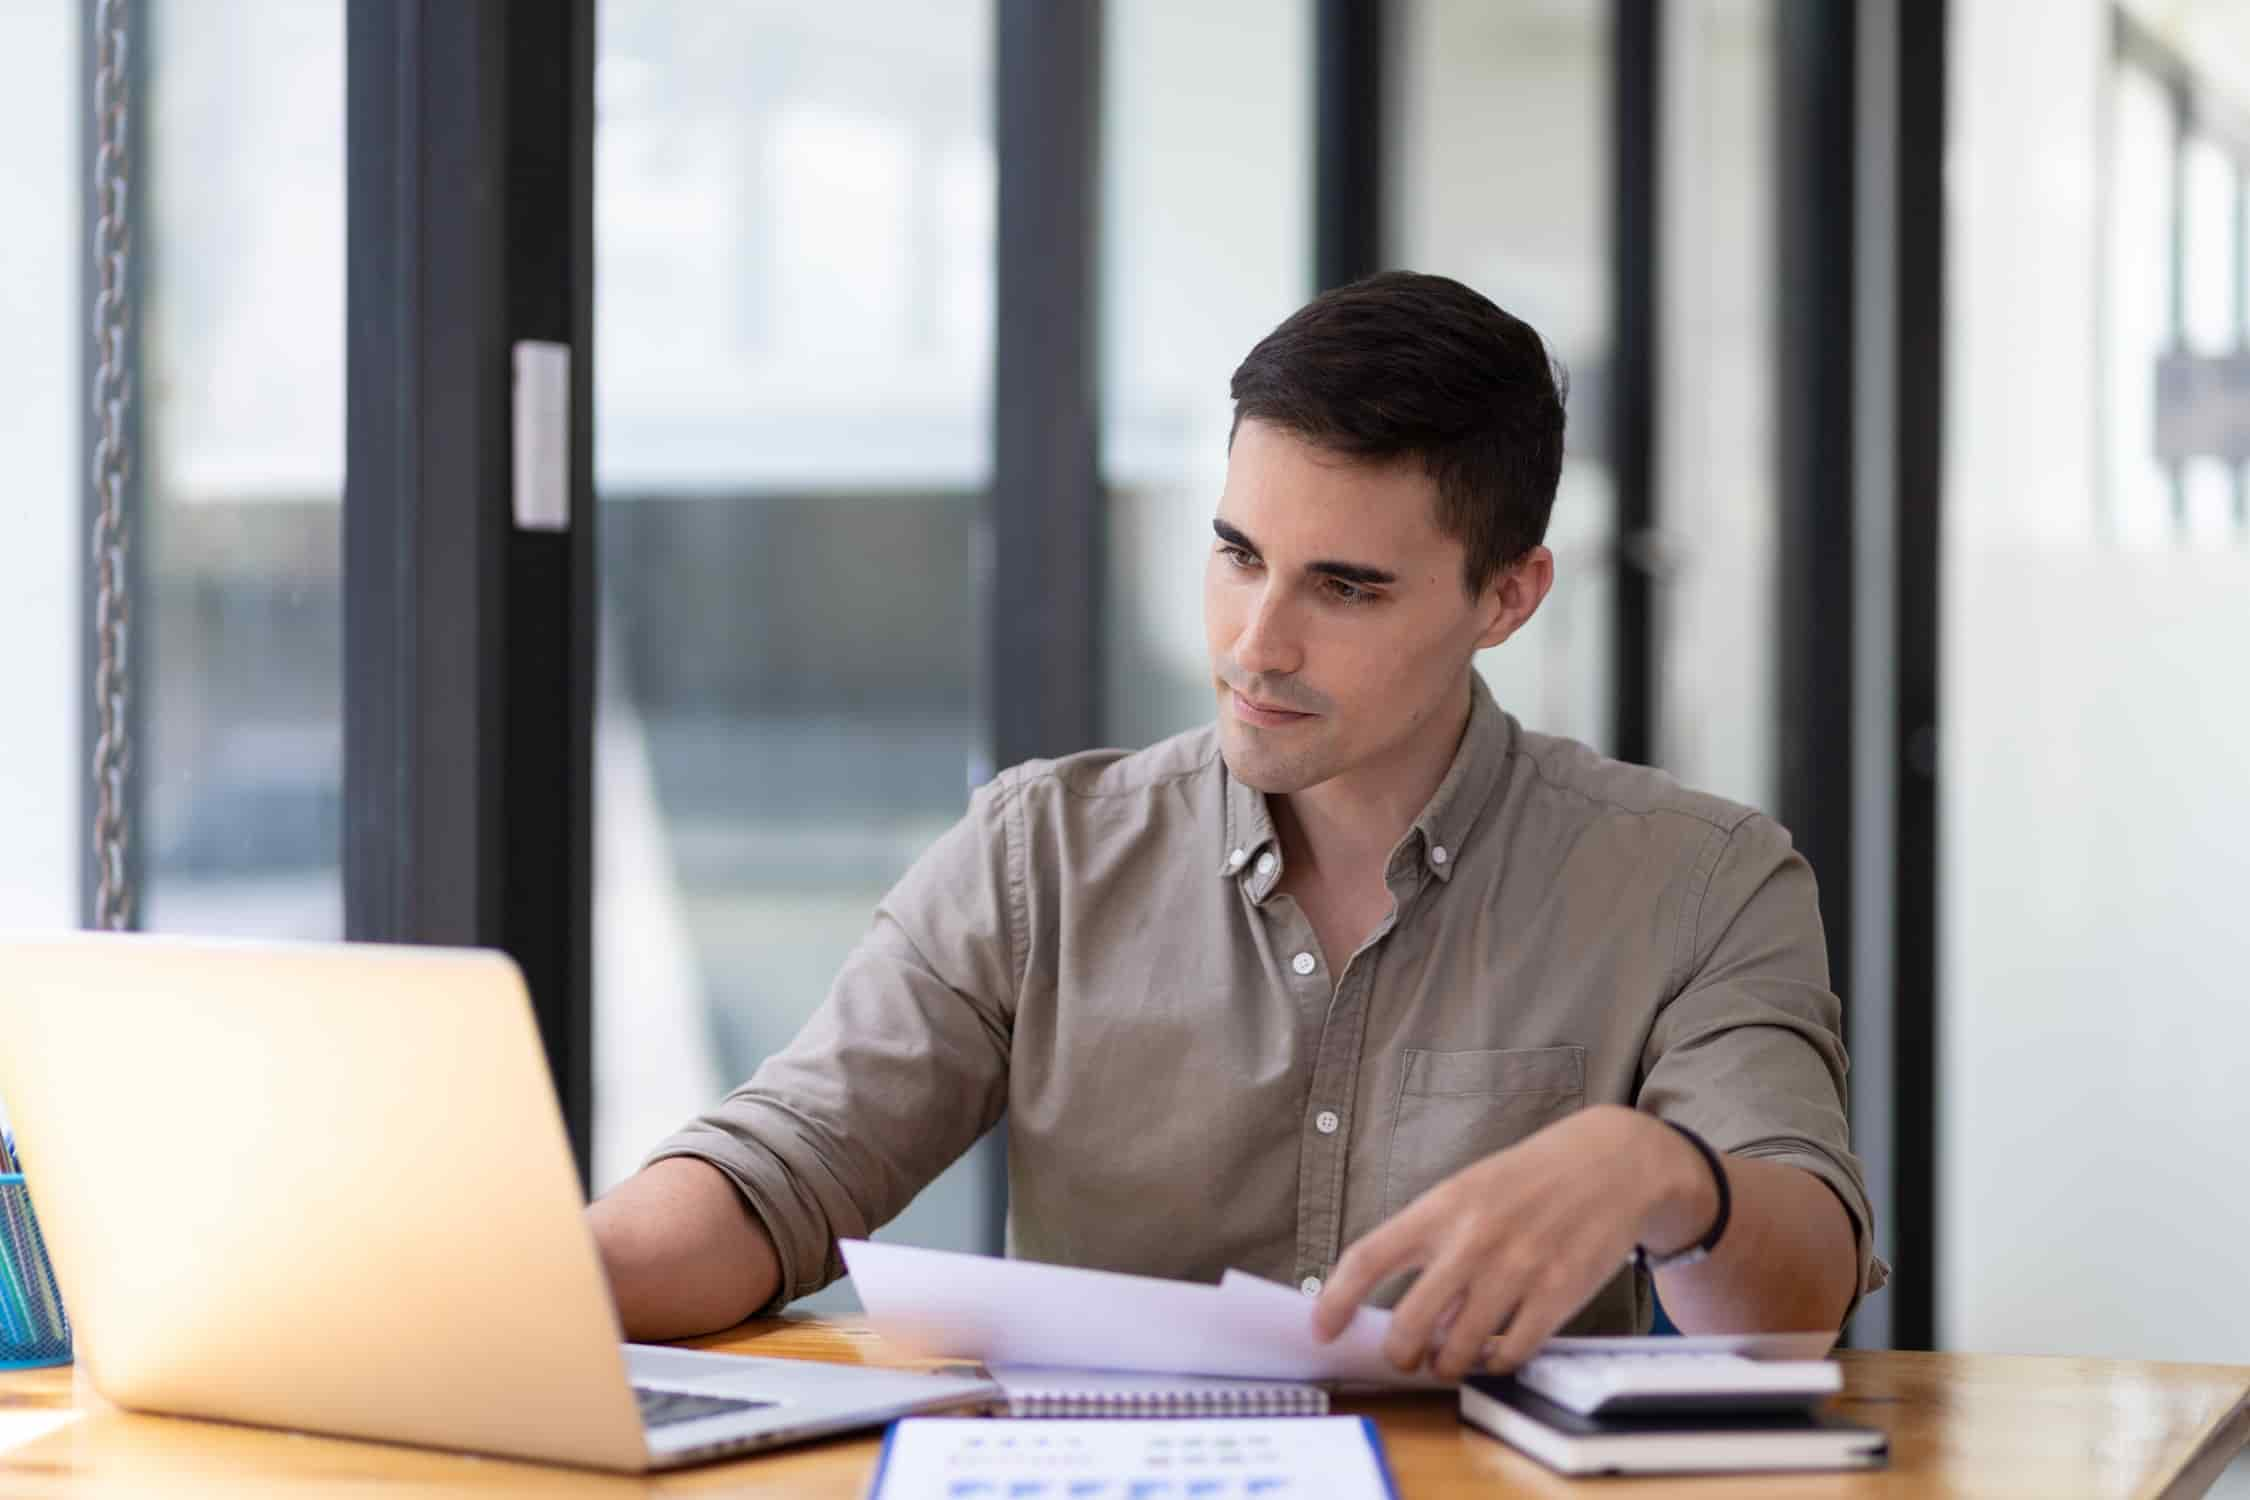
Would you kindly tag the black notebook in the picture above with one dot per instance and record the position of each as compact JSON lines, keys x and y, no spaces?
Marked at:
{"x":1669,"y":1442}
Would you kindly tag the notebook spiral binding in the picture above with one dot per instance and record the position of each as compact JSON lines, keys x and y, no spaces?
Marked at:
{"x":1187,"y":1402}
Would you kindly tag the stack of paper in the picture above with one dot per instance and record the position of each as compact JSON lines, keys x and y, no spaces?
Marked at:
{"x":1021,"y":1312}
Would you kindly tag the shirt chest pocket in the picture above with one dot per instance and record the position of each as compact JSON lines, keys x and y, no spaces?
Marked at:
{"x":1457,"y":1107}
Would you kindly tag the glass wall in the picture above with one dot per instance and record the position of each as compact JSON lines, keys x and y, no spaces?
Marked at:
{"x":2177,"y":281}
{"x":1715,"y":500}
{"x":2096,"y":833}
{"x":42,"y":556}
{"x":242,"y":342}
{"x":1206,"y":244}
{"x":1499,"y":175}
{"x":793,"y":311}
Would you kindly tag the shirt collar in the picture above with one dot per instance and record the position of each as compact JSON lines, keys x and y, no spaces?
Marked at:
{"x":1443,"y":827}
{"x":1451,"y":814}
{"x":1250,"y":831}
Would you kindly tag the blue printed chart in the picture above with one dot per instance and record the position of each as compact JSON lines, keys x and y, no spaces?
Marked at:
{"x":1283,"y":1458}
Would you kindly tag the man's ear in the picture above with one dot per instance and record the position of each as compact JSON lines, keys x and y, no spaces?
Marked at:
{"x":1515,"y":594}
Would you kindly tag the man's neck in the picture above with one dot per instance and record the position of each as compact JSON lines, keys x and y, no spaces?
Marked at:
{"x":1344,"y":829}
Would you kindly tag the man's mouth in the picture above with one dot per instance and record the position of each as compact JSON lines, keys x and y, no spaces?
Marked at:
{"x":1251,"y":711}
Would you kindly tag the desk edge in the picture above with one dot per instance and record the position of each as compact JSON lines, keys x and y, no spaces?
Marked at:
{"x":2224,"y":1439}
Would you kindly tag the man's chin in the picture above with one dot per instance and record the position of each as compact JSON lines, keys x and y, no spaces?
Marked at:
{"x":1248,"y":763}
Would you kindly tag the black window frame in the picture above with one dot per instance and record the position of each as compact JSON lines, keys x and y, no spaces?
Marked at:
{"x":468,"y":642}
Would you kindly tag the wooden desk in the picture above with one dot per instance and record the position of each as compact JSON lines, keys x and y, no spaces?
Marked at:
{"x":1960,"y":1424}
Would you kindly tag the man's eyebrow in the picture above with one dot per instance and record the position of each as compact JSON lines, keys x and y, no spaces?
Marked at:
{"x":1232,"y":537}
{"x":1349,"y":572}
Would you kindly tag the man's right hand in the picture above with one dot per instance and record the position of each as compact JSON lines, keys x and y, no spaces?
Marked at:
{"x":683,"y":1252}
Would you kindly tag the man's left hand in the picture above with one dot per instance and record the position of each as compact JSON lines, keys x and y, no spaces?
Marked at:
{"x":1524,"y":1238}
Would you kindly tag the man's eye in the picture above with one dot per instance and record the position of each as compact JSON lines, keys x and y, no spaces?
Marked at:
{"x":1347,"y":593}
{"x":1236,"y":555}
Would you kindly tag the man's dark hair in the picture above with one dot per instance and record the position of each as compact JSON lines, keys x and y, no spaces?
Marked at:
{"x":1407,"y":365}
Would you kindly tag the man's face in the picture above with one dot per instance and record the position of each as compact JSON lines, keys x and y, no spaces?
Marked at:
{"x":1334,"y":608}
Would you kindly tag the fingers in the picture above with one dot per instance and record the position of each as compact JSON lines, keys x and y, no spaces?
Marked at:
{"x":1489,"y":1300}
{"x":1390,"y":1247}
{"x":1546,"y":1307}
{"x":1442,"y":1287}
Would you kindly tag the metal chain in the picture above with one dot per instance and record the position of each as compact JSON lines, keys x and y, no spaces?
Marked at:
{"x":112,"y":466}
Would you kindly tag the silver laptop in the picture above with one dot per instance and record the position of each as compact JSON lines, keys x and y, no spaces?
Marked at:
{"x":327,"y":1187}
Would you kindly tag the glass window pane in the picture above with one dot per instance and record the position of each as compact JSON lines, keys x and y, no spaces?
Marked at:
{"x":1499,"y":174}
{"x":2095,"y":819}
{"x":242,"y":358}
{"x":2207,"y":319}
{"x":1207,"y":244}
{"x":2207,"y":246}
{"x":1715,"y":436}
{"x":793,"y":312}
{"x":2137,"y":301}
{"x":42,"y":556}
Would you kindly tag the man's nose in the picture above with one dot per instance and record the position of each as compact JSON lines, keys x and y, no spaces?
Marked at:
{"x":1269,"y":644}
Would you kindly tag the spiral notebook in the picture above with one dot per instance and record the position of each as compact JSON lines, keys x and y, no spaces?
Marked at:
{"x":1045,"y":1391}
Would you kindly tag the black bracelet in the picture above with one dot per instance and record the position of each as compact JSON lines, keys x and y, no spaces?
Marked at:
{"x":1710,"y":1241}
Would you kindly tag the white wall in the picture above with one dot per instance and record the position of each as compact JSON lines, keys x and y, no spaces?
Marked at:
{"x":2095,"y":1044}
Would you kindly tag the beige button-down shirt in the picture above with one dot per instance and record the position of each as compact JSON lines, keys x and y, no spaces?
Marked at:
{"x":1098,"y":950}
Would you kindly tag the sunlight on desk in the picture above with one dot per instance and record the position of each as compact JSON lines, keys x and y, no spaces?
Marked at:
{"x":20,"y":1427}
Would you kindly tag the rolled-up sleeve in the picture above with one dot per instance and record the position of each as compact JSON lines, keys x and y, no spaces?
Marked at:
{"x":1749,"y":1053}
{"x":902,"y":1068}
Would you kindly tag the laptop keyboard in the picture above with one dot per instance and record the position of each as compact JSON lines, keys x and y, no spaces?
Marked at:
{"x":663,"y":1408}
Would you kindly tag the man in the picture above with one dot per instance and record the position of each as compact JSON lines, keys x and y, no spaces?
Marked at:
{"x":1364,"y":988}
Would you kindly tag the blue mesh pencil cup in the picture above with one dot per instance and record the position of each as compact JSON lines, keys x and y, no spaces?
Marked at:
{"x":33,"y":1327}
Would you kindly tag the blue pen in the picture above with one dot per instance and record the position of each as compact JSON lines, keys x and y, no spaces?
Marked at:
{"x":40,"y":1309}
{"x":15,"y":1309}
{"x":33,"y":1272}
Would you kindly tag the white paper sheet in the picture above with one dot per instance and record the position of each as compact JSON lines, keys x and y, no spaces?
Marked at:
{"x":1748,"y":1345}
{"x":1287,"y":1458}
{"x":1000,"y":1311}
{"x":1363,"y":1336}
{"x":1281,"y":1317}
{"x":1021,"y":1312}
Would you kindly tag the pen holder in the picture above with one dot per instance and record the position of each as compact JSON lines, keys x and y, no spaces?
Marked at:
{"x":33,"y":1327}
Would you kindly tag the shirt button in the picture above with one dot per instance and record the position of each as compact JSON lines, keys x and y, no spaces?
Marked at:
{"x":1265,"y":864}
{"x":1304,"y":963}
{"x":1310,"y":1286}
{"x":1326,"y":1122}
{"x":1438,"y":856}
{"x":1235,"y":859}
